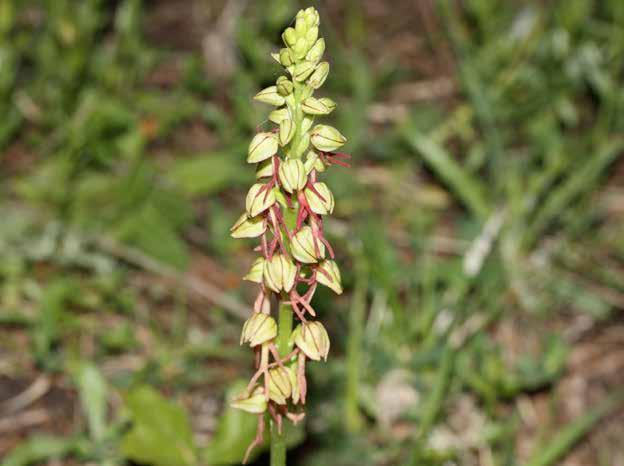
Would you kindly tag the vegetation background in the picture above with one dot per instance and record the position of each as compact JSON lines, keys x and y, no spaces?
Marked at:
{"x":479,"y":231}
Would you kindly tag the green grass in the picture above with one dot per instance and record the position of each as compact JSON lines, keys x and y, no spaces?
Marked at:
{"x":122,"y":168}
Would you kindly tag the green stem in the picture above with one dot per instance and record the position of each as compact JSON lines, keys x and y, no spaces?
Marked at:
{"x":278,"y":447}
{"x":284,"y":329}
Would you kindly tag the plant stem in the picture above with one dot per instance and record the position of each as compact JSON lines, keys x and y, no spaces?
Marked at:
{"x":284,"y":329}
{"x":284,"y":325}
{"x":278,"y":446}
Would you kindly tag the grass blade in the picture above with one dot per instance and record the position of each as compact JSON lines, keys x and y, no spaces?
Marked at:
{"x":469,"y":190}
{"x":575,"y":431}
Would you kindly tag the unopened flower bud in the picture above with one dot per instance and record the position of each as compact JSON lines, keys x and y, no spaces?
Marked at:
{"x":246,"y":227}
{"x":319,"y":76}
{"x":302,"y":71}
{"x":256,"y":271}
{"x":264,"y":169}
{"x":257,"y":202}
{"x":279,"y":273}
{"x":311,"y":16}
{"x":321,"y":199}
{"x":300,"y":26}
{"x":300,"y":48}
{"x":328,"y":274}
{"x":313,"y":106}
{"x":292,"y":175}
{"x":311,"y":36}
{"x":316,"y":51}
{"x":312,"y":338}
{"x":326,"y":138}
{"x":254,"y":403}
{"x":303,"y":249}
{"x":286,"y":58}
{"x":276,"y":56}
{"x":289,"y":36}
{"x":262,"y":146}
{"x":258,"y":329}
{"x":284,"y":86}
{"x":286,"y":131}
{"x":270,"y":96}
{"x":276,"y":116}
{"x":279,"y":385}
{"x":329,"y":103}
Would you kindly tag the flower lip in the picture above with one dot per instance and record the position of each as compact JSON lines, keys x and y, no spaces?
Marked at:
{"x":246,"y":227}
{"x":254,"y":402}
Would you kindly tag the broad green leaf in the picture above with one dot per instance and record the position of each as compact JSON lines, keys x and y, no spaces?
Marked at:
{"x":161,"y":433}
{"x":236,"y":429}
{"x":92,"y":388}
{"x":41,"y":448}
{"x":207,"y":174}
{"x":151,"y":231}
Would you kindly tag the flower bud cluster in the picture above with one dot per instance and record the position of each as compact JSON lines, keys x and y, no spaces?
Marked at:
{"x":285,"y":209}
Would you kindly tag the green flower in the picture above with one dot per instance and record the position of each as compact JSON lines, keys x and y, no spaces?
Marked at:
{"x":280,"y":388}
{"x":319,"y":76}
{"x":246,"y":227}
{"x":286,"y":131}
{"x":327,"y":138}
{"x":292,"y":175}
{"x":312,"y":338}
{"x":329,"y":275}
{"x":303,"y":246}
{"x":321,"y":199}
{"x":256,"y":271}
{"x":314,"y":106}
{"x":270,"y":96}
{"x":258,"y":199}
{"x":254,"y":403}
{"x":262,"y":146}
{"x":279,"y":273}
{"x":258,"y":329}
{"x":284,"y":86}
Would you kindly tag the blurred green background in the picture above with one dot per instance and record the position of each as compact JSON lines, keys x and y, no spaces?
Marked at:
{"x":479,"y":232}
